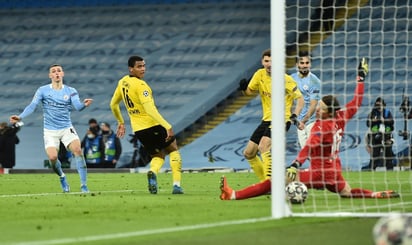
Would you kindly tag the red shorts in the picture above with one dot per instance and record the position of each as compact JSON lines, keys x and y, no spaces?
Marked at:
{"x":331,"y":180}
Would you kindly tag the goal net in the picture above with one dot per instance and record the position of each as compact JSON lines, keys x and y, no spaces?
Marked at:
{"x":338,"y":34}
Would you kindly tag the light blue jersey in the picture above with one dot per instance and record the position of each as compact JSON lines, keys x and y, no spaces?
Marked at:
{"x":57,"y":106}
{"x":310,"y":87}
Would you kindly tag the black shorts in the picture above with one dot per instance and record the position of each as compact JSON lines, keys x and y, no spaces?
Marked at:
{"x":262,"y":130}
{"x":153,"y":139}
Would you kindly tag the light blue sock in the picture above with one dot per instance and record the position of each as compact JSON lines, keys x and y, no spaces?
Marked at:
{"x":57,"y":167}
{"x":81,"y":169}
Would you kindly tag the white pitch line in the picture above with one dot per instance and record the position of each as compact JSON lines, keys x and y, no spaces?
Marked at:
{"x":76,"y":193}
{"x":61,"y":193}
{"x":142,"y":233}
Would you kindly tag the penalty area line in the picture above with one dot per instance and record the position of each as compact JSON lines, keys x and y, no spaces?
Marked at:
{"x":142,"y":233}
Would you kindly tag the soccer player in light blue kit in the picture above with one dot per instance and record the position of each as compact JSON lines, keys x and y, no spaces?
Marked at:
{"x":57,"y":101}
{"x":310,"y":86}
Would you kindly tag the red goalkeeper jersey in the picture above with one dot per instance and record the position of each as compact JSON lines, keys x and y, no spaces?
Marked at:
{"x":322,"y":146}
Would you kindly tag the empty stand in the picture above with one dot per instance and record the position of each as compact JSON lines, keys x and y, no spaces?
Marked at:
{"x":195,"y":54}
{"x":385,"y":42}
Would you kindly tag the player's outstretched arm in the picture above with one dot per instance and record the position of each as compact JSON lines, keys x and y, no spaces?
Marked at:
{"x":356,"y":102}
{"x":363,"y":70}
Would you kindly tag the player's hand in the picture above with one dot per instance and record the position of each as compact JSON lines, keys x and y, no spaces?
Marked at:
{"x":14,"y":119}
{"x":170,"y":135}
{"x":121,"y":130}
{"x":243,"y":84}
{"x":292,"y":171}
{"x":294,"y":119}
{"x":87,"y":102}
{"x":363,"y":70}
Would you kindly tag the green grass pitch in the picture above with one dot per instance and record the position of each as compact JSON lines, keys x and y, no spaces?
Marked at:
{"x":119,"y":210}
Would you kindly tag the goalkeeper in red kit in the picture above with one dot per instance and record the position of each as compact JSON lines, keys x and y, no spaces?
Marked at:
{"x":322,"y":149}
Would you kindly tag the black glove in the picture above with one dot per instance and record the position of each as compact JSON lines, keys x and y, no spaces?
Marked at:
{"x":362,"y":70}
{"x":294,"y":119}
{"x":292,"y":170}
{"x":243,"y":84}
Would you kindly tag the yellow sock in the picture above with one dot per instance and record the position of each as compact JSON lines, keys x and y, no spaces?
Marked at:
{"x":267,"y":164}
{"x":156,"y":164}
{"x":176,"y":166}
{"x":257,"y":167}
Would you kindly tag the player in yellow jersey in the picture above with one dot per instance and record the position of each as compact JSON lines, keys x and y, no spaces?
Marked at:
{"x":260,"y":140}
{"x":155,"y":133}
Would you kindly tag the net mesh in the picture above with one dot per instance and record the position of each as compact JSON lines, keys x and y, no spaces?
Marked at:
{"x":337,"y":35}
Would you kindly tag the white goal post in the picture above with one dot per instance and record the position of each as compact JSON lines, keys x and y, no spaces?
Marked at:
{"x":337,"y":36}
{"x":277,"y":42}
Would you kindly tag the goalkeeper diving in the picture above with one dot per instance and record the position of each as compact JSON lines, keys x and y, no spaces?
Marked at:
{"x":322,"y":149}
{"x":322,"y":146}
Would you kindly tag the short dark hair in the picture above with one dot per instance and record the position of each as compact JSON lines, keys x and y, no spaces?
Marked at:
{"x":301,"y":54}
{"x":133,"y":59}
{"x":54,"y":65}
{"x":92,"y":120}
{"x":382,"y":101}
{"x":332,"y":103}
{"x":266,"y":53}
{"x":105,"y":124}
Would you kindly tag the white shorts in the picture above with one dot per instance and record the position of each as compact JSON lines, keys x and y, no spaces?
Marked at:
{"x":52,"y":138}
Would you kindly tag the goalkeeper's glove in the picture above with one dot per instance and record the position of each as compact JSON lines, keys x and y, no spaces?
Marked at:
{"x":362,"y":70}
{"x":292,"y":170}
{"x":294,"y":119}
{"x":243,"y":84}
